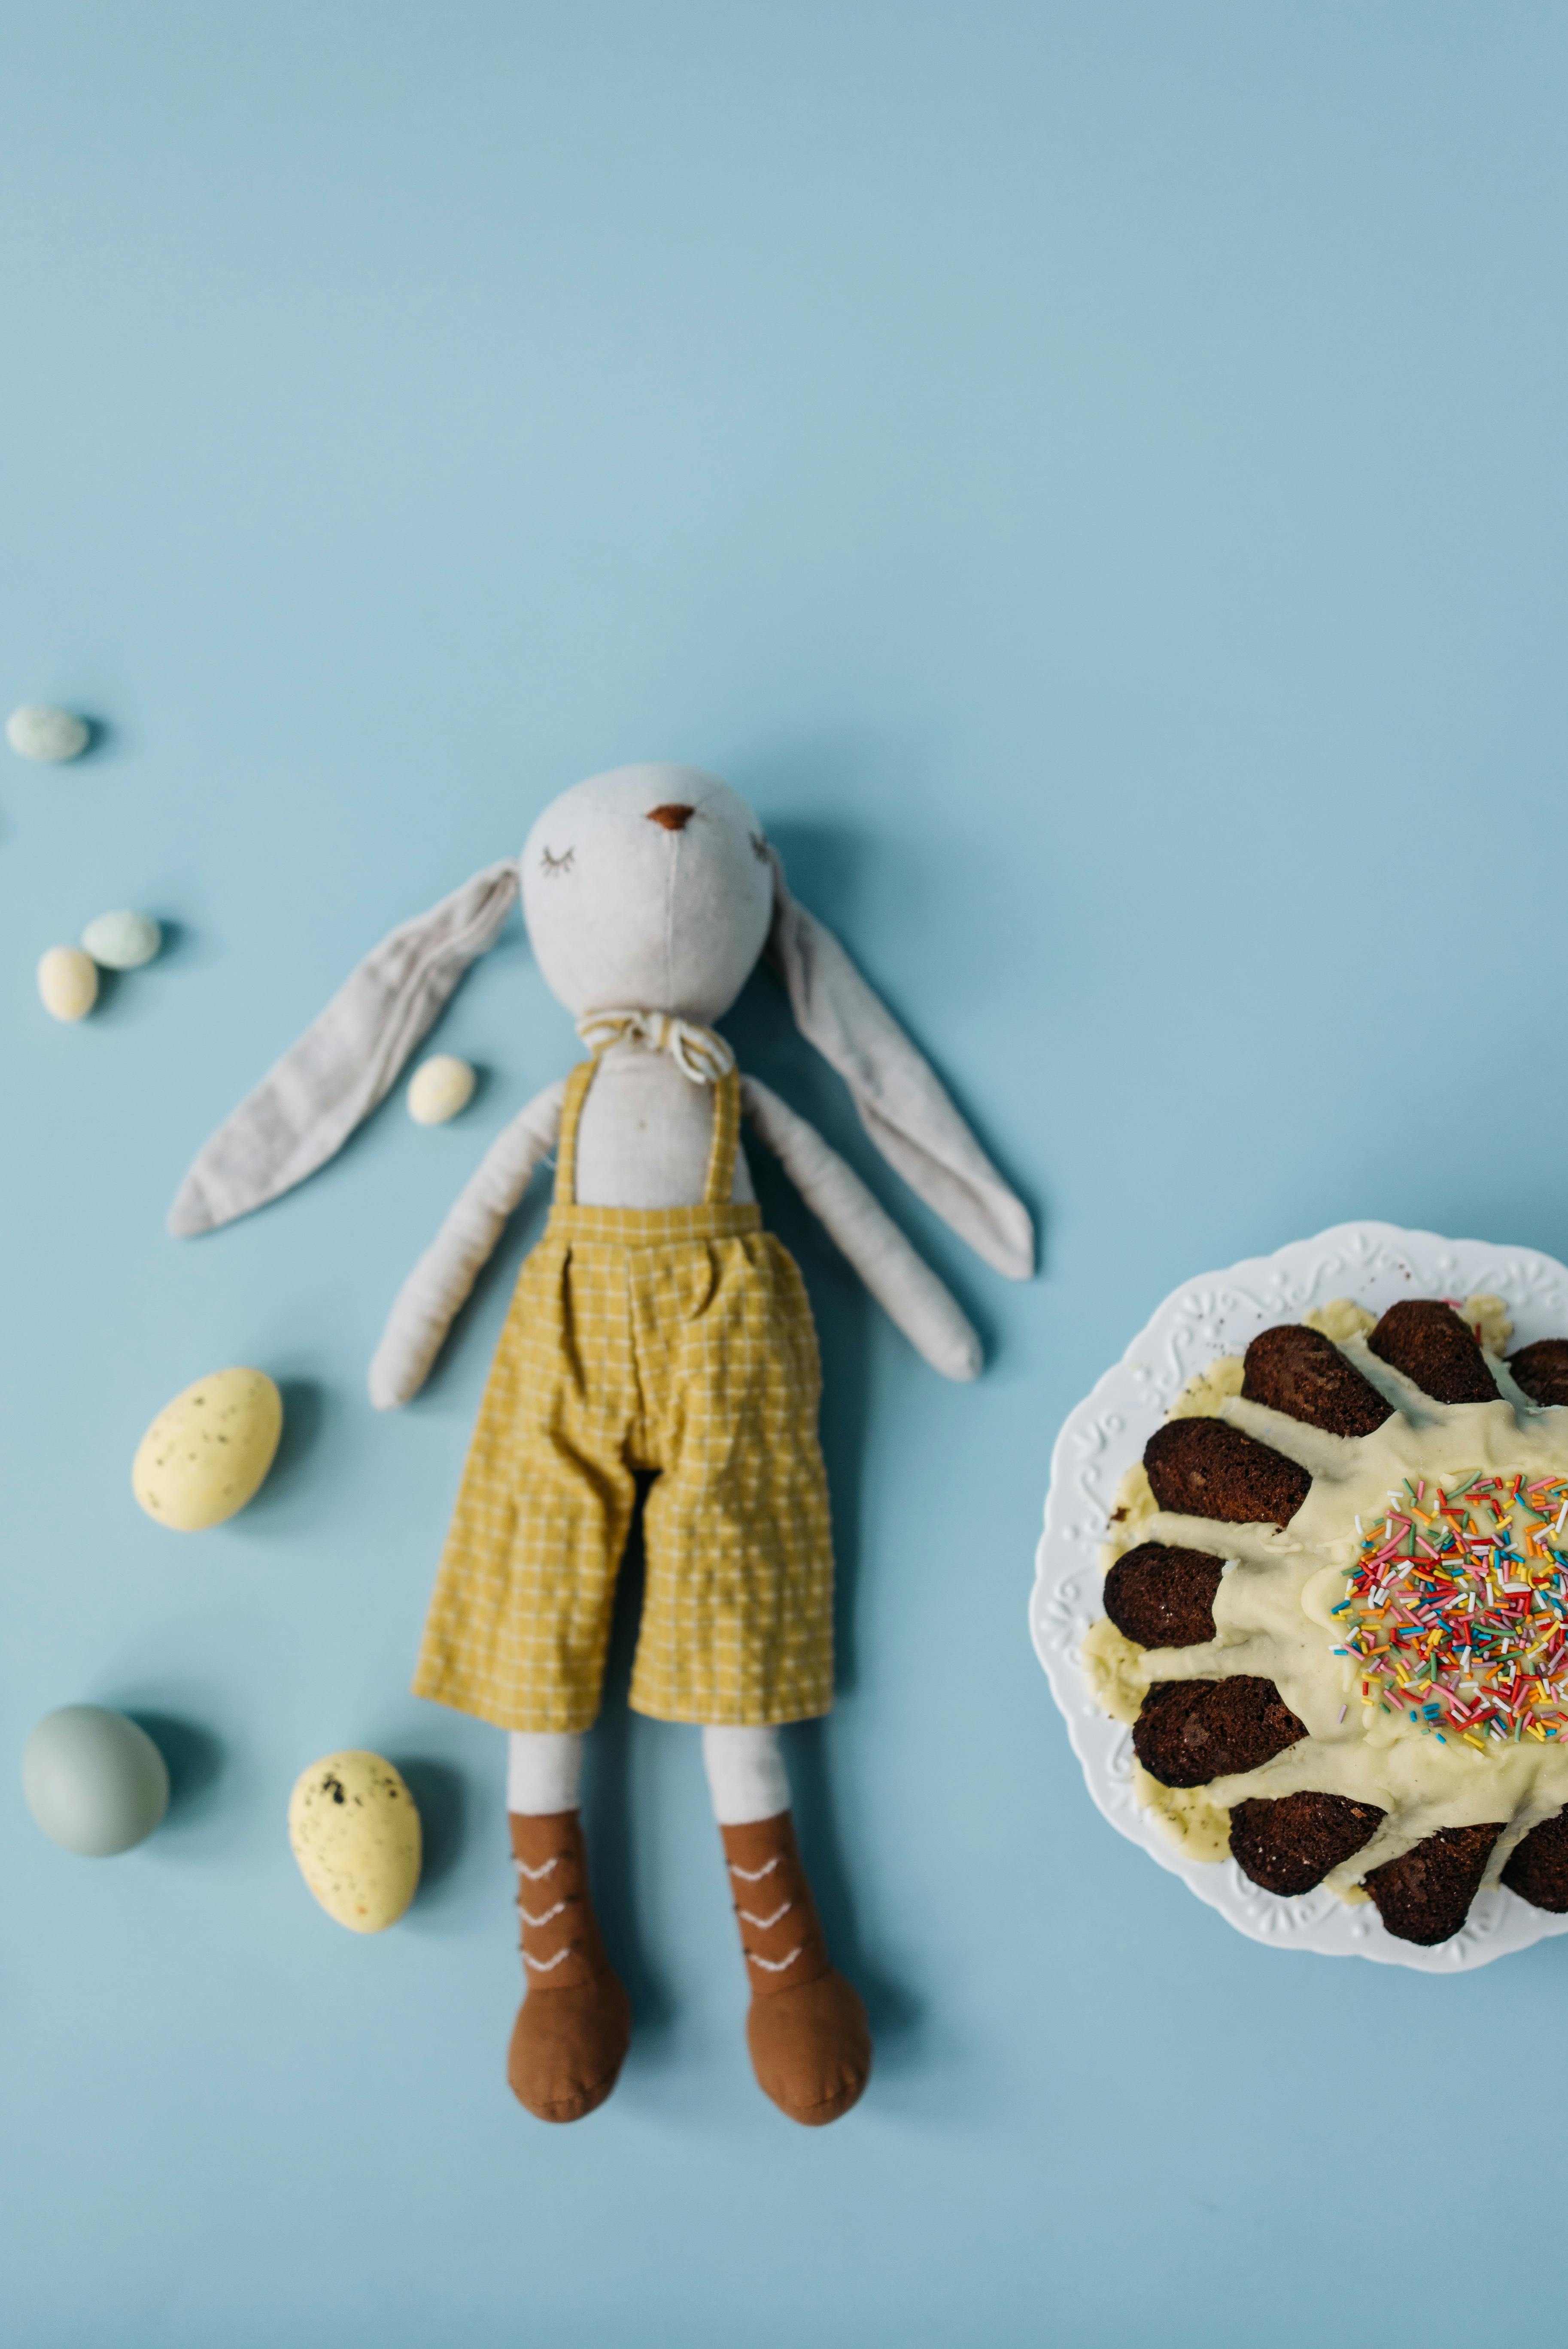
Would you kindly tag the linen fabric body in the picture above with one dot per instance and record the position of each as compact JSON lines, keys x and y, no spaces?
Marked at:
{"x":745,"y":1769}
{"x":677,"y":1340}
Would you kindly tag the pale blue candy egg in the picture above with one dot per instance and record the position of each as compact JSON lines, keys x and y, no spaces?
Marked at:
{"x":122,"y":940}
{"x":93,"y":1780}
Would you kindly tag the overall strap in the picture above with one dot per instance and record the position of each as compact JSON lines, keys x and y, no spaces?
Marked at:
{"x":577,"y":1085}
{"x":726,"y":1140}
{"x":720,"y":1185}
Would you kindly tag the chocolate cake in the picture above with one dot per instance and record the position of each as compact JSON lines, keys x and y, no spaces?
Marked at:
{"x":1422,"y":1584}
{"x":1191,"y":1731}
{"x":1290,"y":1846}
{"x":1435,"y":1350}
{"x":1206,"y":1468}
{"x":1425,"y":1895}
{"x":1302,"y":1373}
{"x":1162,"y":1597}
{"x":1537,"y":1869}
{"x":1541,"y":1370}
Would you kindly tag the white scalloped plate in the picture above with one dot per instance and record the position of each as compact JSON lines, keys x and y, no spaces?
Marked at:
{"x":1376,"y":1264}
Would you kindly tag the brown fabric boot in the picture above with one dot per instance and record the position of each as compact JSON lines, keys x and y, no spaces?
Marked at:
{"x":810,"y":2044}
{"x":572,"y":2028}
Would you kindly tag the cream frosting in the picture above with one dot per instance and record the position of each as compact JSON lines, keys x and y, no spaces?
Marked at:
{"x":1272,"y":1618}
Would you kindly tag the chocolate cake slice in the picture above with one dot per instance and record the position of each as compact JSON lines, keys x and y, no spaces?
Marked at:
{"x":1206,"y":1468}
{"x":1189,"y":1732}
{"x":1435,"y":1350}
{"x":1541,"y":1370}
{"x":1289,"y":1846}
{"x":1424,"y":1896}
{"x":1537,"y":1868}
{"x":1301,"y":1373}
{"x":1162,"y":1597}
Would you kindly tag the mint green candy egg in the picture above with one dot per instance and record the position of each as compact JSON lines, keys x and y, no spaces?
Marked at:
{"x":122,"y":940}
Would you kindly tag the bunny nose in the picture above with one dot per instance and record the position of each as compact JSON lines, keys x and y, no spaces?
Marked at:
{"x":673,"y":816}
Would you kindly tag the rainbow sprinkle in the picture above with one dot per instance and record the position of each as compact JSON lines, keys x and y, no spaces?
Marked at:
{"x":1456,"y":1609}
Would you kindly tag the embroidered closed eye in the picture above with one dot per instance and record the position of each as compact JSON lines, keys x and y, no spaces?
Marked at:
{"x":554,"y":866}
{"x":758,"y":847}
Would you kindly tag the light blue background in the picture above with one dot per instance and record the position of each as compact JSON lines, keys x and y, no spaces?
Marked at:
{"x":1094,"y":477}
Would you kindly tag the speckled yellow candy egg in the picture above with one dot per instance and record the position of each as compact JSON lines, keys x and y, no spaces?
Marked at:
{"x":207,"y":1452}
{"x":439,"y":1089}
{"x":67,"y":983}
{"x":354,"y":1832}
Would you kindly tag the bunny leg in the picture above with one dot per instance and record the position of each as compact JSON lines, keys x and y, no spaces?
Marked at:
{"x":746,"y":1777}
{"x":575,"y":2021}
{"x":543,"y":1771}
{"x":810,"y":2044}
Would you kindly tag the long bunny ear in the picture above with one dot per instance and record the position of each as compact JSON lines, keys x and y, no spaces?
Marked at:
{"x":902,"y":1102}
{"x":307,"y":1105}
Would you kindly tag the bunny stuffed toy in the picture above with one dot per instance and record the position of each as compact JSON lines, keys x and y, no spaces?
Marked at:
{"x":655,"y":1329}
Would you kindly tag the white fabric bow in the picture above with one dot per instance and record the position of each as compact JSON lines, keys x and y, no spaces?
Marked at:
{"x":697,"y":1052}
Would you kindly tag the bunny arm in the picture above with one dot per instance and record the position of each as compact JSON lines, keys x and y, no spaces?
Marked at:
{"x":903,"y":1283}
{"x":435,"y":1291}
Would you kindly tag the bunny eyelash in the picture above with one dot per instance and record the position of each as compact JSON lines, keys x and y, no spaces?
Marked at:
{"x":758,"y":847}
{"x":554,"y":866}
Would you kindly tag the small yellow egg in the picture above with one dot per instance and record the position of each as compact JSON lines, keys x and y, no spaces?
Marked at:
{"x":207,"y":1452}
{"x":439,"y":1089}
{"x":67,"y":983}
{"x":354,"y":1831}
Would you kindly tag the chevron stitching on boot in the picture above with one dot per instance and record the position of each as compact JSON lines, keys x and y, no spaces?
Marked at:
{"x":542,"y":1920}
{"x":754,"y":1875}
{"x":775,"y":1965}
{"x":746,"y":1917}
{"x":533,"y":1874}
{"x":548,"y":1965}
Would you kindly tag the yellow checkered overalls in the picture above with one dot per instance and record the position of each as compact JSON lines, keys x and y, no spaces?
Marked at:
{"x":673,"y":1339}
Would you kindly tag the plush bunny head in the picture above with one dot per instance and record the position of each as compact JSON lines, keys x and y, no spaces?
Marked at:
{"x":651,"y":889}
